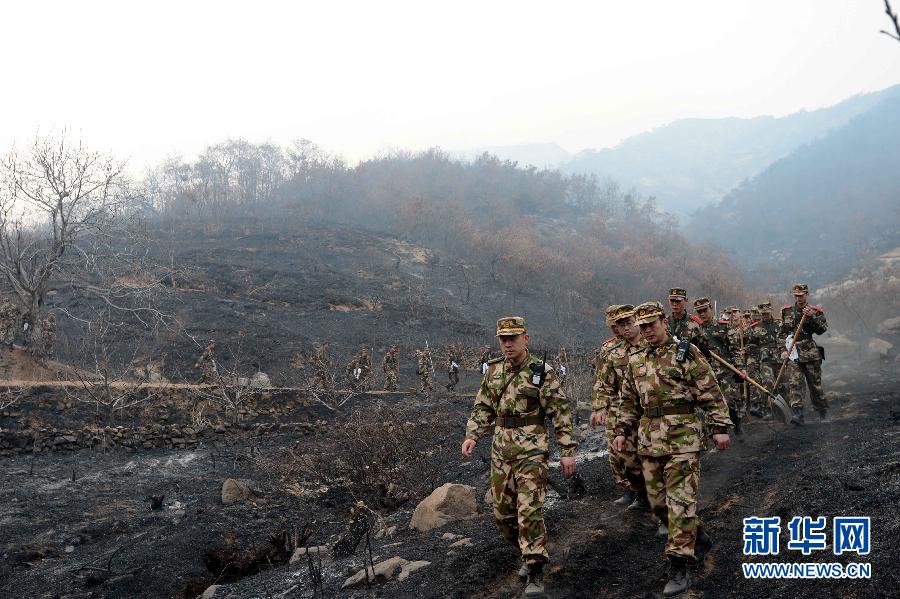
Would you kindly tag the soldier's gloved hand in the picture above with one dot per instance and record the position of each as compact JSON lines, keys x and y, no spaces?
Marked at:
{"x":467,"y":446}
{"x":808,"y":311}
{"x":619,"y":442}
{"x":598,"y":418}
{"x":721,"y":440}
{"x":568,"y":467}
{"x":744,"y":374}
{"x":784,"y":355}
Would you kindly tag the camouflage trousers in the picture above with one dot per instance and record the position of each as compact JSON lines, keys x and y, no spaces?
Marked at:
{"x":390,"y":380}
{"x":519,"y":488}
{"x":756,"y":398}
{"x":811,"y":372}
{"x":427,"y":383}
{"x":673,"y":485}
{"x":731,"y":390}
{"x":626,"y":464}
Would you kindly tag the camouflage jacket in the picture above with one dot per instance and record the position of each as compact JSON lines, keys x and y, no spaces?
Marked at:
{"x":655,"y":378}
{"x":598,"y":399}
{"x":807,"y":350}
{"x":521,"y":398}
{"x":687,"y":328}
{"x":751,"y":341}
{"x":737,"y":343}
{"x":9,"y":313}
{"x":424,"y":363}
{"x":609,"y":379}
{"x":766,"y":336}
{"x":716,"y":333}
{"x":389,"y":362}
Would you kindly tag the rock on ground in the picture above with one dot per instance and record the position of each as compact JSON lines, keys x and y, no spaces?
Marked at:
{"x":385,"y":570}
{"x":447,"y":503}
{"x":234,"y":491}
{"x":891,"y":325}
{"x":880,"y":346}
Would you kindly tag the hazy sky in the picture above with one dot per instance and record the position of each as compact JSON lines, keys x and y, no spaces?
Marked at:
{"x":149,"y":78}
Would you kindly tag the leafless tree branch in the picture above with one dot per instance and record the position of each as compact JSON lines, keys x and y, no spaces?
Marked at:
{"x":893,"y":17}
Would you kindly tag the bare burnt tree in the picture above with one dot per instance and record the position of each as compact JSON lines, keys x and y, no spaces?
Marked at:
{"x":56,"y":197}
{"x":893,"y":17}
{"x":230,"y":380}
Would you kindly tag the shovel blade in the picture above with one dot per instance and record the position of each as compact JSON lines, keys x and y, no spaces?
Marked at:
{"x":781,"y":409}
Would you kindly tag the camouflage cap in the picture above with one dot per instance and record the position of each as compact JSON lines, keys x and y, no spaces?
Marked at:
{"x":648,"y":312}
{"x":754,"y":311}
{"x":765,"y":307}
{"x":701,"y":302}
{"x":745,"y":312}
{"x":510,"y":325}
{"x":732,"y":309}
{"x":610,"y":310}
{"x":622,"y":311}
{"x":800,"y":289}
{"x":677,"y":293}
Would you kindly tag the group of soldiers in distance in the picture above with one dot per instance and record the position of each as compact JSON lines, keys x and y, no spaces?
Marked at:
{"x":665,"y":385}
{"x":14,"y":322}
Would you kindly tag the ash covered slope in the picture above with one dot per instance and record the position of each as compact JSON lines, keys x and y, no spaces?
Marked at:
{"x":815,"y":214}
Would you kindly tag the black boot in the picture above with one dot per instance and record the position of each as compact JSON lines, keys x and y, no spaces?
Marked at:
{"x":534,"y":586}
{"x":755,"y":411}
{"x":640,"y":502}
{"x":702,"y":546}
{"x":626,"y":499}
{"x":679,"y":580}
{"x":797,"y":418}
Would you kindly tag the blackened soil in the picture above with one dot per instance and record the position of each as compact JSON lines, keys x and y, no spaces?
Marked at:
{"x":848,"y":465}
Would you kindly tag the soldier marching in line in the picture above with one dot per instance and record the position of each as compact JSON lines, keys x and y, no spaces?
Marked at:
{"x":452,"y":369}
{"x":207,"y":363}
{"x":390,"y":366}
{"x":808,"y":365}
{"x":610,"y":373}
{"x":752,"y":352}
{"x":766,"y":336}
{"x":736,"y":401}
{"x":323,"y":366}
{"x":48,"y":335}
{"x":424,"y":369}
{"x":9,"y":322}
{"x":562,"y":365}
{"x":665,"y":383}
{"x":485,"y":358}
{"x":518,"y":393}
{"x":359,"y":370}
{"x":683,"y":325}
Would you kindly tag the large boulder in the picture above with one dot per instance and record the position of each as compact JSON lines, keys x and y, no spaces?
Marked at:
{"x":880,"y":347}
{"x":235,"y":490}
{"x":891,"y":325}
{"x":447,"y":503}
{"x":384,"y":571}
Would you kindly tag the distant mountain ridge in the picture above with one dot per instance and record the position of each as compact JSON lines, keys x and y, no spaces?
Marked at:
{"x":694,"y":162}
{"x":817,"y":213}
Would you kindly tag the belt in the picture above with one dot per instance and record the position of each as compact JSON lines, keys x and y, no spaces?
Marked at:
{"x":518,"y":421}
{"x":660,"y":411}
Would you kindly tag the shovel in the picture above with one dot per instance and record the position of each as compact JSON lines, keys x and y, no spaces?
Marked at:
{"x":781,"y":409}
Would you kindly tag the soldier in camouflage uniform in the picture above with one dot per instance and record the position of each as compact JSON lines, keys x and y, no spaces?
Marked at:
{"x":322,"y":363}
{"x":737,"y":401}
{"x":766,"y":335}
{"x":752,"y":352}
{"x":389,"y":366}
{"x":207,"y":363}
{"x":423,"y":369}
{"x":808,"y":366}
{"x":626,"y":464}
{"x":359,"y":370}
{"x":9,"y":322}
{"x":716,"y":333}
{"x":664,"y":385}
{"x":681,"y":324}
{"x":517,"y":395}
{"x":48,"y":334}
